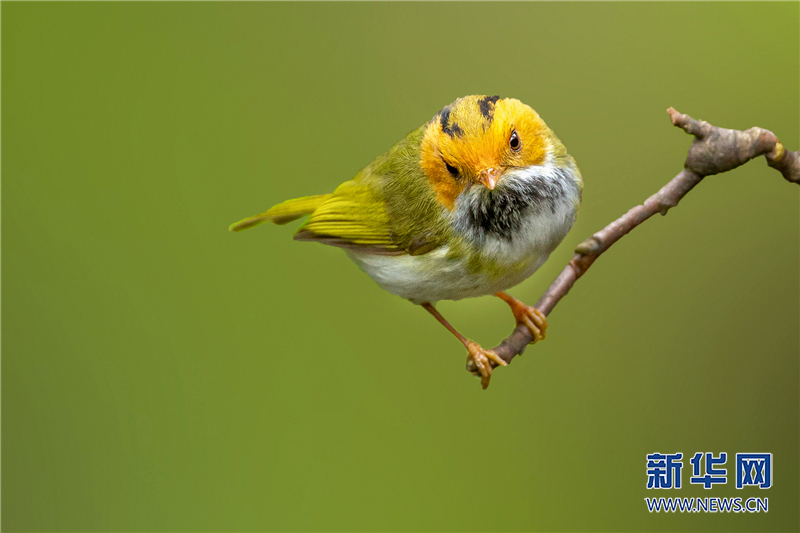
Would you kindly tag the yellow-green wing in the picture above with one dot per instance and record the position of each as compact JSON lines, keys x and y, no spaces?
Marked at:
{"x":353,"y":217}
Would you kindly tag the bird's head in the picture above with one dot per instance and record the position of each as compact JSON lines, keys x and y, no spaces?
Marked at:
{"x":476,"y":140}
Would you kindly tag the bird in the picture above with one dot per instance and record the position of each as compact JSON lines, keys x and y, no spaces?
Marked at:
{"x":469,"y":204}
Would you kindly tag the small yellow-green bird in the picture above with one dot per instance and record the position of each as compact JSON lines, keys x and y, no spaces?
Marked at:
{"x":469,"y":204}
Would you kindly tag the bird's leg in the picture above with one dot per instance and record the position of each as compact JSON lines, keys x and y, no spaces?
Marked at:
{"x":475,"y":354}
{"x":526,"y":315}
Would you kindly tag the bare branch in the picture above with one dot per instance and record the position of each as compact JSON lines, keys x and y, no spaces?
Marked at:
{"x":787,"y":163}
{"x":713,"y":150}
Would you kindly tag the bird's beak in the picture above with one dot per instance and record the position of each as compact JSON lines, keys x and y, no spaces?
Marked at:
{"x":489,"y":177}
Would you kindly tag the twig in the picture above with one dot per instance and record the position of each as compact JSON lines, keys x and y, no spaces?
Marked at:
{"x":713,"y":150}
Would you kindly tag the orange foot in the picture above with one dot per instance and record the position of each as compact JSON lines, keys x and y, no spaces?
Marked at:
{"x":528,"y":316}
{"x":479,"y":361}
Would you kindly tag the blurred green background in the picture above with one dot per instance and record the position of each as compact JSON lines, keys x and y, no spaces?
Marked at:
{"x":161,"y":373}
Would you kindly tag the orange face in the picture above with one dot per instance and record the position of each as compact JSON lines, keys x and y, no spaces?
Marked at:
{"x":475,"y":139}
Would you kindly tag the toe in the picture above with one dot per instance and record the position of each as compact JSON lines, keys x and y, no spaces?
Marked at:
{"x":490,"y":354}
{"x":478,"y":362}
{"x":541,"y":321}
{"x":535,"y":331}
{"x":536,"y":323}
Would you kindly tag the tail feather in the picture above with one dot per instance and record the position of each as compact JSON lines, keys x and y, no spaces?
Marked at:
{"x":283,"y":213}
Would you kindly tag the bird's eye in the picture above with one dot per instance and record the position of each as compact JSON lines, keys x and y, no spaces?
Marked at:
{"x":451,"y":169}
{"x":514,"y":141}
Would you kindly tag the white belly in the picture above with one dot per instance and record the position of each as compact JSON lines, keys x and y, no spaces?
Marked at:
{"x":435,"y":276}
